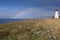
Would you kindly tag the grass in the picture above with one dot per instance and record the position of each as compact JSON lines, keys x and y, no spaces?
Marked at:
{"x":39,"y":29}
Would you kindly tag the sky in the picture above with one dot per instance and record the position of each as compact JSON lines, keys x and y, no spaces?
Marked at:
{"x":28,"y":8}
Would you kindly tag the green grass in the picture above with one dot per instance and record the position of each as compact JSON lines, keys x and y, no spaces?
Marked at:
{"x":39,"y":29}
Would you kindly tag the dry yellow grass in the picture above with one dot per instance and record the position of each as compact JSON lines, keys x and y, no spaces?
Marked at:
{"x":30,"y":29}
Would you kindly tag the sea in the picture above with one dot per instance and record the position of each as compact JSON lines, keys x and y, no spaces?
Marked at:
{"x":3,"y":21}
{"x":6,"y":20}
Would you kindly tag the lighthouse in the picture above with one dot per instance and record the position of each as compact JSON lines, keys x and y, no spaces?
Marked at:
{"x":56,"y":14}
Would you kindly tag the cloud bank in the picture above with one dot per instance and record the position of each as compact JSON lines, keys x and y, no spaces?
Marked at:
{"x":34,"y":13}
{"x":29,"y":13}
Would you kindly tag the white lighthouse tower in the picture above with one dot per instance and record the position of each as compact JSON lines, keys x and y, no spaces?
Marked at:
{"x":56,"y":14}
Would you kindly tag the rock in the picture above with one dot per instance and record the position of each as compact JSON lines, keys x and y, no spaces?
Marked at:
{"x":48,"y":31}
{"x":54,"y":36}
{"x":49,"y":36}
{"x":39,"y":32}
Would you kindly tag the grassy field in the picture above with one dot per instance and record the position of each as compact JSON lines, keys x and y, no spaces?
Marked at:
{"x":39,"y":29}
